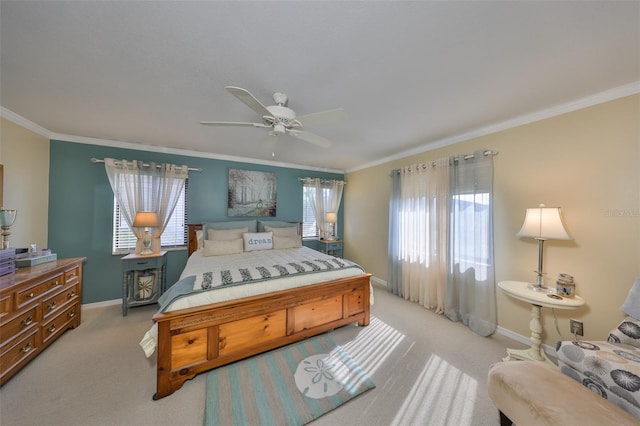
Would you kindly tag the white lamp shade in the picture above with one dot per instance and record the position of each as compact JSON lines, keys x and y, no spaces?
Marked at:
{"x":544,"y":223}
{"x":146,"y":220}
{"x":331,"y":217}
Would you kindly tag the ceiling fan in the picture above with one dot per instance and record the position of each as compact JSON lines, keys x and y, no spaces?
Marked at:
{"x":281,"y":119}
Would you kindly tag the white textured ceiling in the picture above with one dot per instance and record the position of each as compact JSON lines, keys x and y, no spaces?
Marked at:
{"x":409,"y":74}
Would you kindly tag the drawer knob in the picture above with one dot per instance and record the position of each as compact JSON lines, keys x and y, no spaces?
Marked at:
{"x":71,"y":294}
{"x":55,"y":283}
{"x":26,"y":348}
{"x":30,"y":295}
{"x":52,"y":328}
{"x":71,"y":314}
{"x":28,"y":320}
{"x":52,"y":305}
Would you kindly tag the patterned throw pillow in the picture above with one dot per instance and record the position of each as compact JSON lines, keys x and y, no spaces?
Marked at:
{"x":627,"y":332}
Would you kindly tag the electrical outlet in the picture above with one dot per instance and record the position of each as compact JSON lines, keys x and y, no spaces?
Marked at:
{"x":577,"y":327}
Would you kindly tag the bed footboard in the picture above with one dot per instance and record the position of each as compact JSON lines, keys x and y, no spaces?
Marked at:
{"x":195,"y":340}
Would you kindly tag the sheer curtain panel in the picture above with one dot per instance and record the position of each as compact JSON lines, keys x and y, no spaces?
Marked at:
{"x":441,"y":238}
{"x":326,"y":198}
{"x":146,"y":187}
{"x":470,"y":293}
{"x":418,"y":234}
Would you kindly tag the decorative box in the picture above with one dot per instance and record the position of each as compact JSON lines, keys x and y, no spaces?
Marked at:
{"x":32,"y":259}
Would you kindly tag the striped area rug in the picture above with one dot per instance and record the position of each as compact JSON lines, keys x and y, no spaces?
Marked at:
{"x":292,"y":385}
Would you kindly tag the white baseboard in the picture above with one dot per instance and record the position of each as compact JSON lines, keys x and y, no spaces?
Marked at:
{"x":102,"y":304}
{"x":378,"y":282}
{"x":551,"y":352}
{"x":500,"y":330}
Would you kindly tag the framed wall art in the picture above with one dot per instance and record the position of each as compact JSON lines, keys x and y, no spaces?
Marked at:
{"x":251,"y":193}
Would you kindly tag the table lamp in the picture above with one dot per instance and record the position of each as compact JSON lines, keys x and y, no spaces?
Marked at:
{"x":331,"y":218}
{"x":543,"y":223}
{"x":7,"y":217}
{"x":146,"y":220}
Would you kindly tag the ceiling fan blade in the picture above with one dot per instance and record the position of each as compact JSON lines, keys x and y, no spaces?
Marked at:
{"x":322,"y":117}
{"x":232,"y":123}
{"x":249,"y":100}
{"x":311,"y":138}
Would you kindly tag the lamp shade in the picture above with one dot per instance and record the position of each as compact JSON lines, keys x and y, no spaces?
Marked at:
{"x":544,"y":223}
{"x":331,"y":217}
{"x":7,"y":216}
{"x":146,"y":220}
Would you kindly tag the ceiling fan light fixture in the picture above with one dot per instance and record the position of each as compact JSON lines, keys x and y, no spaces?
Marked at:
{"x":280,"y":119}
{"x":279,"y":128}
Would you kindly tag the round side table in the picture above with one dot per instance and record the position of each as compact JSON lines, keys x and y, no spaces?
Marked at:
{"x":538,"y":299}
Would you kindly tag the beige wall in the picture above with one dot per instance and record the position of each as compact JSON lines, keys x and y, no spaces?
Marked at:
{"x":587,"y":162}
{"x":25,"y":156}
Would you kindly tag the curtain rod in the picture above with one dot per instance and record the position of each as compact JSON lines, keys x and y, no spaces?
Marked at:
{"x":322,"y":180}
{"x":455,"y":158}
{"x":97,"y":160}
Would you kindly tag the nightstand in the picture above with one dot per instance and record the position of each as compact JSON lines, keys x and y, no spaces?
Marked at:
{"x":143,"y":279}
{"x":538,"y":299}
{"x":333,"y":248}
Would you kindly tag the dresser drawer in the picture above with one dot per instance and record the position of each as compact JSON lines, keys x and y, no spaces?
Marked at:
{"x":30,"y":294}
{"x":6,"y":304}
{"x":60,"y":300}
{"x":72,"y":275}
{"x":19,"y":354}
{"x":17,"y":326}
{"x":58,"y":324}
{"x":333,"y":246}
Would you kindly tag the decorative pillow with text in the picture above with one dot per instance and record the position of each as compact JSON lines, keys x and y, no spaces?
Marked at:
{"x":258,"y":241}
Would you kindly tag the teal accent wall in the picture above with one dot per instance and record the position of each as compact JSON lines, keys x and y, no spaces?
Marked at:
{"x":81,"y":207}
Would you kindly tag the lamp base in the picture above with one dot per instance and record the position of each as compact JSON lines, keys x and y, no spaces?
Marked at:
{"x":538,"y":288}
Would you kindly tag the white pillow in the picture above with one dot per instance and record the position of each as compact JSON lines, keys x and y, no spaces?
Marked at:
{"x":258,"y":241}
{"x":200,"y":239}
{"x":218,"y":248}
{"x":286,"y":242}
{"x":226,"y":234}
{"x":289,"y":231}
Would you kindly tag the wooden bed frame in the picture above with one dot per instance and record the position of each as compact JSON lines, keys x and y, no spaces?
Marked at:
{"x":195,"y":340}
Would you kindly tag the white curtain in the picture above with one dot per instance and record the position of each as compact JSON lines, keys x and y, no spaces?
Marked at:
{"x":441,"y":238}
{"x":418,"y":234}
{"x":326,"y":198}
{"x":470,"y":295}
{"x":146,"y":187}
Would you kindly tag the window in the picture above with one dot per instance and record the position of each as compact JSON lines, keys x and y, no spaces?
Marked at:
{"x":310,"y":228}
{"x":470,"y":236}
{"x":174,"y":235}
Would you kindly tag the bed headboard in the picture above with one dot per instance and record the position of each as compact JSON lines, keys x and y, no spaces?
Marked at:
{"x":192,"y":244}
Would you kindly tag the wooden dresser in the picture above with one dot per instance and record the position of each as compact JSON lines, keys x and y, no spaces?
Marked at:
{"x":37,"y":304}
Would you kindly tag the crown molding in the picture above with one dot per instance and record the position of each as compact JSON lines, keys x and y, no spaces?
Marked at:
{"x":30,"y":125}
{"x":21,"y":121}
{"x":598,"y":98}
{"x":186,"y":152}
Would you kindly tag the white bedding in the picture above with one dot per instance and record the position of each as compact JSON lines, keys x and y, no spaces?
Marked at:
{"x":197,"y":264}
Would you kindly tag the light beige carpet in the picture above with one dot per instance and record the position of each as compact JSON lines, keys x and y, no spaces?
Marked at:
{"x":427,"y":370}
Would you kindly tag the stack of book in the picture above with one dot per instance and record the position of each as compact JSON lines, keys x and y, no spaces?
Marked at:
{"x":7,"y":261}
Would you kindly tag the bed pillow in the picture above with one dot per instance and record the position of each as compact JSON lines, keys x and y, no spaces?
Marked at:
{"x":218,"y":248}
{"x":273,"y":224}
{"x":200,"y":239}
{"x":258,"y":241}
{"x":286,"y":242}
{"x":251,"y":224}
{"x":226,"y":234}
{"x":288,"y":231}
